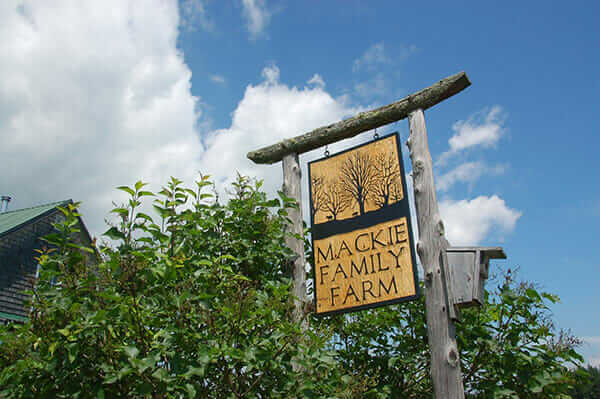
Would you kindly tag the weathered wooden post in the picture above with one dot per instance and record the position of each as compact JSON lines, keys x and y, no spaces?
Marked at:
{"x":292,"y":187}
{"x":431,"y":247}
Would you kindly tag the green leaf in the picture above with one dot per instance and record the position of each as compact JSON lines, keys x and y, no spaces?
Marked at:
{"x":53,"y":238}
{"x":144,"y":216}
{"x":139,"y":185}
{"x":114,"y":233}
{"x":161,"y":374}
{"x":194,"y":371}
{"x":191,"y":391}
{"x":52,"y":347}
{"x":120,"y":211}
{"x":64,"y":331}
{"x":72,"y":351}
{"x":131,"y":351}
{"x":81,"y":248}
{"x":533,"y":294}
{"x":127,"y":190}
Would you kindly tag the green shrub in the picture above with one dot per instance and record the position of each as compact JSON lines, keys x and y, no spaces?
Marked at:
{"x":195,"y":304}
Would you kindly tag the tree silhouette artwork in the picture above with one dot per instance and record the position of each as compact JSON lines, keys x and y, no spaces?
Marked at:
{"x":358,"y":176}
{"x":318,"y":196}
{"x":337,"y":199}
{"x":357,"y":182}
{"x":396,"y":193}
{"x":387,"y":184}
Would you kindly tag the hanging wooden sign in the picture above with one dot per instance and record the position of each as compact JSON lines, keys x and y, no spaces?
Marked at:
{"x":361,"y":230}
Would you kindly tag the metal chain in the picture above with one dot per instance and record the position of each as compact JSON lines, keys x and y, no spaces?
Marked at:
{"x":375,"y":135}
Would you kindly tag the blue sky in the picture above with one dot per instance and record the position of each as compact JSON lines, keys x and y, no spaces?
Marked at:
{"x":104,"y":93}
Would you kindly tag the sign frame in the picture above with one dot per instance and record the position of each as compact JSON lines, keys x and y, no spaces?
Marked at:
{"x":356,"y":223}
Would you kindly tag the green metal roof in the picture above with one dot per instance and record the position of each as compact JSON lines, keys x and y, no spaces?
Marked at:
{"x":10,"y":316}
{"x":13,"y":219}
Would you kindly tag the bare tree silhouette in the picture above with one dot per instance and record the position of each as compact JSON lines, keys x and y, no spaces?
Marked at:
{"x":358,"y":176}
{"x":337,"y":199}
{"x":387,"y":174}
{"x":396,"y":193}
{"x":317,"y":187}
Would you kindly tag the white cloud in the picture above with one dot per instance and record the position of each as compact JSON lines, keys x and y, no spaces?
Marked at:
{"x":471,"y":133}
{"x":467,"y":172}
{"x":372,"y":70}
{"x":468,"y":222}
{"x":98,"y":96}
{"x":591,"y":350}
{"x":371,"y":88}
{"x":316,"y":80}
{"x":371,"y":58}
{"x":217,"y":78}
{"x":482,"y":129}
{"x":592,"y":340}
{"x":193,"y":13}
{"x":93,"y":95}
{"x":271,"y":75}
{"x":268,"y":113}
{"x":257,"y":16}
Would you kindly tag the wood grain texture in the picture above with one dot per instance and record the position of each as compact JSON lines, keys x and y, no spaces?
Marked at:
{"x":364,"y":121}
{"x":431,"y":248}
{"x":292,"y":177}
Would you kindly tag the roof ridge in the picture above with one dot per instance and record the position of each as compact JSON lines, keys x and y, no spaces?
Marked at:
{"x":57,"y":203}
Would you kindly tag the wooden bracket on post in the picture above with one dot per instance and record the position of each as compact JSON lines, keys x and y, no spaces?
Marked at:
{"x":468,"y":269}
{"x":453,"y":308}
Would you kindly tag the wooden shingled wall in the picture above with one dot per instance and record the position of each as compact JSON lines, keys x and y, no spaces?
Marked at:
{"x":18,"y":265}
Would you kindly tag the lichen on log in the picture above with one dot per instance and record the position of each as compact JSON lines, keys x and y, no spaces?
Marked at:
{"x":364,"y":121}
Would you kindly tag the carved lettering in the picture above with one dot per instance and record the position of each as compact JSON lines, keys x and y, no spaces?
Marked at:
{"x":363,"y":266}
{"x":388,"y":289}
{"x":396,"y":256}
{"x":356,"y":242}
{"x":324,"y":256}
{"x":365,"y":289}
{"x":343,"y":247}
{"x":323,"y":274}
{"x":333,"y":295}
{"x":381,"y":269}
{"x":400,"y":232}
{"x":374,"y":239}
{"x":351,"y":292}
{"x":339,"y":269}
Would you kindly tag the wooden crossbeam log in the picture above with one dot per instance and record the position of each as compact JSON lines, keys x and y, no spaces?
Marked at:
{"x":363,"y":122}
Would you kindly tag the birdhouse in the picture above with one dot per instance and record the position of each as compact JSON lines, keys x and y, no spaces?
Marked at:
{"x":468,"y":270}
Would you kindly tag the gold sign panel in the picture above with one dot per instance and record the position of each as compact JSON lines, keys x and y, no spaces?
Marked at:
{"x":361,"y":231}
{"x":364,"y":267}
